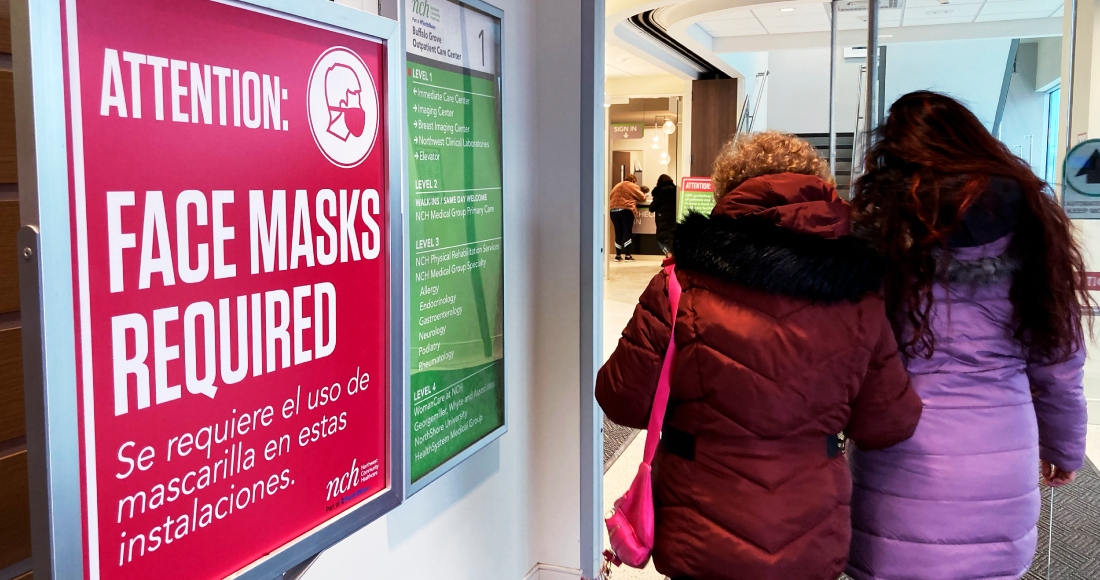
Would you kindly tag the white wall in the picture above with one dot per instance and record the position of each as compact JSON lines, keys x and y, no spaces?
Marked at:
{"x":516,"y":503}
{"x":749,"y":64}
{"x":647,"y":86}
{"x":1049,"y":69}
{"x":1086,"y":99}
{"x":1023,"y":126}
{"x":969,"y":70}
{"x":798,"y":91}
{"x":798,"y":87}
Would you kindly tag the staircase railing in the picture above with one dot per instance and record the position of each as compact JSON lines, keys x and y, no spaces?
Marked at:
{"x":859,"y":140}
{"x":751,"y":106}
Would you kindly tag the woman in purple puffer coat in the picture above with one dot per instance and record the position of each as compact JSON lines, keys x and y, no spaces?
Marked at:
{"x":987,"y":295}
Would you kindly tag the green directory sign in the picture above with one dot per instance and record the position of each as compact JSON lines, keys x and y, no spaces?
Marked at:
{"x":456,"y":234}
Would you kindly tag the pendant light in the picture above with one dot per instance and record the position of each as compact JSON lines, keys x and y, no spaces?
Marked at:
{"x":669,"y":126}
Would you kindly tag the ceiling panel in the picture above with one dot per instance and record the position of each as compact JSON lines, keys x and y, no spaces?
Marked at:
{"x":930,"y":4}
{"x":814,"y":17}
{"x":941,"y":14}
{"x":737,"y":25}
{"x":857,"y":19}
{"x":620,"y":63}
{"x":1017,"y":9}
{"x":802,"y":16}
{"x":994,"y":17}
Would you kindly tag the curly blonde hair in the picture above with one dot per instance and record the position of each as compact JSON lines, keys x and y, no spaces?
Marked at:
{"x":764,"y":154}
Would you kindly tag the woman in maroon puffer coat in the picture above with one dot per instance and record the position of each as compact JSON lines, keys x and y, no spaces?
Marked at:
{"x":783,"y":343}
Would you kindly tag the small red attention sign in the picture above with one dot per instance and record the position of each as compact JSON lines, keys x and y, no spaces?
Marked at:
{"x":697,"y":184}
{"x":228,"y":195}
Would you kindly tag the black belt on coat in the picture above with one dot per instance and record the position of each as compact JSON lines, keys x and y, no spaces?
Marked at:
{"x":682,"y":444}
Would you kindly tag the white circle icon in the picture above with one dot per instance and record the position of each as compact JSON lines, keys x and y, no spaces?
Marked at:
{"x":343,"y":107}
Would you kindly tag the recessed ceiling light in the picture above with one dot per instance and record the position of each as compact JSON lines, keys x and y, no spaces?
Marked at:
{"x":935,"y":12}
{"x":886,"y":36}
{"x":786,"y":9}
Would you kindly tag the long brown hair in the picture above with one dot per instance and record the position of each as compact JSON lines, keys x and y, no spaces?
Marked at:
{"x":932,"y":160}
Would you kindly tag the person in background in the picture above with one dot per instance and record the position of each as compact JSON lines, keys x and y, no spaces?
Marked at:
{"x":664,"y":210}
{"x":624,"y":206}
{"x":986,"y":292}
{"x":783,"y":343}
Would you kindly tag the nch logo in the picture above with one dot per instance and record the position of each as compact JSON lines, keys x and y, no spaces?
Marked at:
{"x":424,"y":9}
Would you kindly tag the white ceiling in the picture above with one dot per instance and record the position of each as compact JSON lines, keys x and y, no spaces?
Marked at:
{"x":621,"y":63}
{"x":799,"y":16}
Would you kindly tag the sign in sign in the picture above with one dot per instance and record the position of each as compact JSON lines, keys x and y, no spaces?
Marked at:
{"x":696,"y":194}
{"x":627,"y":130}
{"x":1081,"y":176}
{"x":456,"y":234}
{"x":229,"y":203}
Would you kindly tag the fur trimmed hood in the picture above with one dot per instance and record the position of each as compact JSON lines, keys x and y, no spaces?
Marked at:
{"x":984,"y":271}
{"x":755,"y":252}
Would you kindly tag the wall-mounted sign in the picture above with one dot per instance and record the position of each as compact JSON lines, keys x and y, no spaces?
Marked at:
{"x":696,"y":194}
{"x":230,"y":236}
{"x":627,"y":130}
{"x":456,"y":234}
{"x":1081,"y":177}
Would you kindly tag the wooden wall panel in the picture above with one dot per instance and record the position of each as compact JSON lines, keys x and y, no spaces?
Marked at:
{"x":5,"y":26}
{"x":713,"y":121}
{"x":9,"y":172}
{"x":12,"y":417}
{"x":15,"y":522}
{"x":9,"y":262}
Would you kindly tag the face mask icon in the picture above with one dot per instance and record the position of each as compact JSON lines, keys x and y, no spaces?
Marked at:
{"x":342,"y":102}
{"x":346,"y":114}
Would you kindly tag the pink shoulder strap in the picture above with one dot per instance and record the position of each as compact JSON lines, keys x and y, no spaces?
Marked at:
{"x":660,"y":400}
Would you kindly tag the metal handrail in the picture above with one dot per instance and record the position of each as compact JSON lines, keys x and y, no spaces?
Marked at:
{"x":748,"y":114}
{"x":859,"y":138}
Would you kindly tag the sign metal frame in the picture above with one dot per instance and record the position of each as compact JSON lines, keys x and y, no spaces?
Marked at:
{"x":411,"y":487}
{"x":1073,"y":195}
{"x":46,"y":284}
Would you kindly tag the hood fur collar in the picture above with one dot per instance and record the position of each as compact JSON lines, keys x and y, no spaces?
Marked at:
{"x":981,"y":271}
{"x":756,"y":253}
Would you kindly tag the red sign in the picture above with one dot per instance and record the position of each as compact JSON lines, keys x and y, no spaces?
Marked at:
{"x":1092,"y":280}
{"x":696,"y":184}
{"x":228,"y":199}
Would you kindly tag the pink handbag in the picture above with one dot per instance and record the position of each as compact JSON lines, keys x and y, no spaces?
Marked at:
{"x":630,"y":525}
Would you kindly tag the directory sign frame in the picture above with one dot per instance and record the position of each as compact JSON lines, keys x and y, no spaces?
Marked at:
{"x":452,"y":416}
{"x":54,"y":268}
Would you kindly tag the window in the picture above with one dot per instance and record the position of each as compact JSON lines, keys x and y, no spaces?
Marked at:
{"x":1054,"y":103}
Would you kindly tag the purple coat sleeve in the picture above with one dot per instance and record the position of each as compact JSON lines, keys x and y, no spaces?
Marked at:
{"x":1058,"y":391}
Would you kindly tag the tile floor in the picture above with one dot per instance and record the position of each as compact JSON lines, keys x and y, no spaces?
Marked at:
{"x":625,"y":284}
{"x":1092,"y":444}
